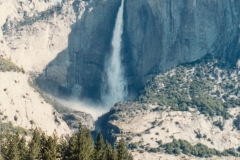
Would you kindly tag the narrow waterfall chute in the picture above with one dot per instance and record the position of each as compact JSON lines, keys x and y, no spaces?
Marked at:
{"x":115,"y":85}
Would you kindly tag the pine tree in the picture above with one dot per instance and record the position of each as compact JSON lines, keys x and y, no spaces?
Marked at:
{"x":100,"y":153}
{"x":122,"y":151}
{"x":5,"y":142}
{"x":49,"y":146}
{"x":85,"y":146}
{"x":13,"y":151}
{"x":62,"y":148}
{"x":50,"y":149}
{"x":72,"y":148}
{"x":22,"y":148}
{"x":130,"y":156}
{"x":34,"y":145}
{"x":114,"y":155}
{"x":43,"y":141}
{"x":81,"y":145}
{"x":108,"y":151}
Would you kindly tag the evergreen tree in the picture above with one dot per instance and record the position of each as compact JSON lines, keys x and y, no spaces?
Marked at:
{"x":5,"y":143}
{"x":34,"y":145}
{"x":49,"y":146}
{"x":62,"y":148}
{"x":114,"y":155}
{"x":122,"y":151}
{"x":50,"y":149}
{"x":100,"y":153}
{"x":43,"y":143}
{"x":72,"y":148}
{"x":85,"y":146}
{"x":108,"y":151}
{"x":22,"y":149}
{"x":13,"y":151}
{"x":81,"y":146}
{"x":130,"y":156}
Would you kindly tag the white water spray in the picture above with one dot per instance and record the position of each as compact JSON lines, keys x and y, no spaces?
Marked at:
{"x":115,"y":88}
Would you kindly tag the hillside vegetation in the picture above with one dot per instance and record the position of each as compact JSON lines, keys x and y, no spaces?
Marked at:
{"x":79,"y":146}
{"x":7,"y":65}
{"x":201,"y":85}
{"x":193,"y":109}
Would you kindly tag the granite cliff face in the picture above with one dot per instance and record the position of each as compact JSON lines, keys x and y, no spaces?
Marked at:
{"x":20,"y":104}
{"x":158,"y":35}
{"x":33,"y":33}
{"x":89,"y":43}
{"x":163,"y":34}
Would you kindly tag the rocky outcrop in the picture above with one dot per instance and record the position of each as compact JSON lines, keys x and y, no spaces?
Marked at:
{"x":24,"y":107}
{"x":74,"y":117}
{"x":39,"y":43}
{"x":34,"y":36}
{"x":12,"y":12}
{"x":147,"y":126}
{"x":158,"y":35}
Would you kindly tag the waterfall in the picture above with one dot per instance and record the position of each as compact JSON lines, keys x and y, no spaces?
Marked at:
{"x":115,"y":86}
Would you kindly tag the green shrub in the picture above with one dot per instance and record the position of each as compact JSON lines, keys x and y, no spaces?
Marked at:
{"x":179,"y":92}
{"x":159,"y":142}
{"x":147,"y":132}
{"x":236,"y":122}
{"x":133,"y":146}
{"x":154,"y":150}
{"x":199,"y":150}
{"x":128,"y":138}
{"x":230,"y":151}
{"x":8,"y":127}
{"x":219,"y":124}
{"x":7,"y":66}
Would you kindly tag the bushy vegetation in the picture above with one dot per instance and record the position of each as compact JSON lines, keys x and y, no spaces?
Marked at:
{"x":39,"y":16}
{"x":42,"y":16}
{"x":9,"y":127}
{"x":78,"y":146}
{"x":199,"y":150}
{"x":193,"y":85}
{"x":6,"y":66}
{"x":236,"y":122}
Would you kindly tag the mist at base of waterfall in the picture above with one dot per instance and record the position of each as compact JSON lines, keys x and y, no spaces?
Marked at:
{"x":96,"y":110}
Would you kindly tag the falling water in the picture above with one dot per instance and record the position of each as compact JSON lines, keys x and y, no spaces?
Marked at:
{"x":115,"y":87}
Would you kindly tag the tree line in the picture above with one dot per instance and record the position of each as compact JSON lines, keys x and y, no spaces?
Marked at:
{"x":79,"y":146}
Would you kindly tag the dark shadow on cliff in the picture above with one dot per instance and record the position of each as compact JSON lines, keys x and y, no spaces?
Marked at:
{"x":53,"y":80}
{"x":78,"y":70}
{"x":150,"y":45}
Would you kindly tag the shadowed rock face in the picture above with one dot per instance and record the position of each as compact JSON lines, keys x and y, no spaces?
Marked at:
{"x":158,"y":35}
{"x":89,"y":43}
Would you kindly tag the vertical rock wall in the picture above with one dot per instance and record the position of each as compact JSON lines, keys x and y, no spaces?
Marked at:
{"x":89,"y":43}
{"x":158,"y":35}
